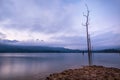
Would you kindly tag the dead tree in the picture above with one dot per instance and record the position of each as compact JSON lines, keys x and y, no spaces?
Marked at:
{"x":90,"y":53}
{"x":88,"y":36}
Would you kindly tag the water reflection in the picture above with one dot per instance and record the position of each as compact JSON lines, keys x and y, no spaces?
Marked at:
{"x":12,"y":64}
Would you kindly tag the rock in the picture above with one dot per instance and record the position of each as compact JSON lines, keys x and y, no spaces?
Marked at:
{"x":87,"y":73}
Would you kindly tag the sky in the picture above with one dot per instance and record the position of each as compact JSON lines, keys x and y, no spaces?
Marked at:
{"x":59,"y":23}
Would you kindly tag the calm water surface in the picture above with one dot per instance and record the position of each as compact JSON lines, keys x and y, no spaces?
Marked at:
{"x":25,"y":64}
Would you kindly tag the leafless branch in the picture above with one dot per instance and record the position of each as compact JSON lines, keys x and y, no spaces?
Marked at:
{"x":87,"y":32}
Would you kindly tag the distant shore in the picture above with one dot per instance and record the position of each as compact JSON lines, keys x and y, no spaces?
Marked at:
{"x":8,"y":48}
{"x":87,"y":73}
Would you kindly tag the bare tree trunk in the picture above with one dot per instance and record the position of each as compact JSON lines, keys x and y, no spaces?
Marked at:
{"x":90,"y":47}
{"x":88,"y":37}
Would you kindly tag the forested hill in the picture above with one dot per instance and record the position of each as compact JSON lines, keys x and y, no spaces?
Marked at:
{"x":7,"y":48}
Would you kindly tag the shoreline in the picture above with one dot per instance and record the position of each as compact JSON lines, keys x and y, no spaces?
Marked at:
{"x":83,"y":73}
{"x":87,"y":73}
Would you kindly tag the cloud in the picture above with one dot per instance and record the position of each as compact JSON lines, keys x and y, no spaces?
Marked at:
{"x":108,"y":39}
{"x":5,"y":41}
{"x":38,"y":15}
{"x":2,"y":36}
{"x":58,"y":22}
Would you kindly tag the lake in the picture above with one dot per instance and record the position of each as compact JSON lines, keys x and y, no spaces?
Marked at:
{"x":19,"y":66}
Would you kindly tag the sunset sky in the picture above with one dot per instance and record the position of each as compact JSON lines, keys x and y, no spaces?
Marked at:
{"x":59,"y":22}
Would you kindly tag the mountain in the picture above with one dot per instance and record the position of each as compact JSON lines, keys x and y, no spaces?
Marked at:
{"x":10,"y":48}
{"x":7,"y":48}
{"x":113,"y":50}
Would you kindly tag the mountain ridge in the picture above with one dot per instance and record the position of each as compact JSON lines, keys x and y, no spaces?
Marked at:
{"x":9,"y":48}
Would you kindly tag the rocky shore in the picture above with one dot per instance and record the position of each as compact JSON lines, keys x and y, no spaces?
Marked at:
{"x":87,"y":73}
